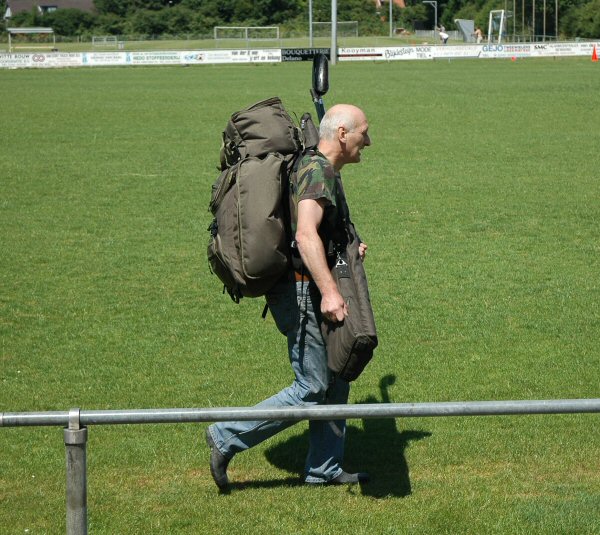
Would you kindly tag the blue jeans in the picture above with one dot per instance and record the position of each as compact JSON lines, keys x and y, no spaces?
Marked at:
{"x":295,"y":307}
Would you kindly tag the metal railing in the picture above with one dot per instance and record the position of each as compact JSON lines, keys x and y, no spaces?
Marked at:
{"x":75,"y":424}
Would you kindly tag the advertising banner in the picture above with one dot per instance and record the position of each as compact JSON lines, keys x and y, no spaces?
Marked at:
{"x":40,"y":60}
{"x":195,"y":57}
{"x":360,"y":54}
{"x":563,"y":49}
{"x":535,"y":50}
{"x":99,"y":59}
{"x":15,"y":61}
{"x":153,"y":58}
{"x":504,"y":51}
{"x":460,"y":51}
{"x":303,"y":54}
{"x":272,"y":55}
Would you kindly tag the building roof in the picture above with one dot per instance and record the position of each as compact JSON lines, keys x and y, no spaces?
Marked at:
{"x":17,"y":6}
{"x":13,"y":31}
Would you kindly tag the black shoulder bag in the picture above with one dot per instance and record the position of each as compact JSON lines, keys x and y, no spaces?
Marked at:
{"x":350,"y":344}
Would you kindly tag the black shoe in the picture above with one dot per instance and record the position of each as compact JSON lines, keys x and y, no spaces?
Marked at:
{"x":218,"y":463}
{"x":345,"y":479}
{"x":350,"y":479}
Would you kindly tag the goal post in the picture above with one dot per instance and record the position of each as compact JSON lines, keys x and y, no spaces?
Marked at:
{"x":347,"y":28}
{"x":497,"y":25}
{"x":262,"y":33}
{"x":246,"y":33}
{"x":14,"y":32}
{"x":104,"y":41}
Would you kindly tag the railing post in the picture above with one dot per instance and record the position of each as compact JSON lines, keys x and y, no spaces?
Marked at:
{"x":75,"y":445}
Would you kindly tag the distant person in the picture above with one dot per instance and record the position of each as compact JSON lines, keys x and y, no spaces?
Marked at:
{"x":299,"y":304}
{"x":478,"y":35}
{"x":443,"y":35}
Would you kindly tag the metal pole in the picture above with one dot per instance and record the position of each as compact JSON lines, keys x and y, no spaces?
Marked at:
{"x":317,"y":412}
{"x":533,"y":20}
{"x":391,"y":21}
{"x":514,"y":19}
{"x":310,"y":24}
{"x":556,"y":19}
{"x":434,"y":4}
{"x":544,"y":25}
{"x":333,"y":58}
{"x":75,"y":435}
{"x":75,"y":443}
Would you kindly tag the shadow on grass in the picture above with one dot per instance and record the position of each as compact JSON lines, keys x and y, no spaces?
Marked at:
{"x":293,"y":481}
{"x":379,"y":449}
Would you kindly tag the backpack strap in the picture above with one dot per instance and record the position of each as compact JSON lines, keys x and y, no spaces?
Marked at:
{"x":309,"y":132}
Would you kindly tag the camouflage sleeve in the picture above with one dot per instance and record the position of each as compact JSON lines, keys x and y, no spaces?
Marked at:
{"x":316,"y":180}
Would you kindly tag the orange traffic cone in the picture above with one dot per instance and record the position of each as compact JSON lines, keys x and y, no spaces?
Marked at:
{"x":594,"y":54}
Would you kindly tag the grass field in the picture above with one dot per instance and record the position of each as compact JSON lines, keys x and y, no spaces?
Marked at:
{"x":480,"y":202}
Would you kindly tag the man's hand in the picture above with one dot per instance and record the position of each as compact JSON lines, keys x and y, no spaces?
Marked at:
{"x":333,"y":306}
{"x":362,"y":251}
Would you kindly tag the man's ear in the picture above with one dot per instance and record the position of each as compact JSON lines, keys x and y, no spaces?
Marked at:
{"x":342,"y":134}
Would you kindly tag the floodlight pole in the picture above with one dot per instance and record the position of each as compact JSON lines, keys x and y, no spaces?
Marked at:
{"x":391,"y":20}
{"x":533,"y":20}
{"x":333,"y":58}
{"x":434,"y":4}
{"x":544,"y":25}
{"x":310,"y":24}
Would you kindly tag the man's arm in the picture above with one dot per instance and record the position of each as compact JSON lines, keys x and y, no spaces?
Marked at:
{"x":310,"y":215}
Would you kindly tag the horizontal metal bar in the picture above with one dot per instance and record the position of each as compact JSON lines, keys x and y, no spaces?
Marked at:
{"x":34,"y":419}
{"x":316,"y":412}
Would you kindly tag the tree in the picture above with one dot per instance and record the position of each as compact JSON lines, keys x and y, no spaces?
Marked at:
{"x":119,"y":8}
{"x":583,"y":20}
{"x":69,"y":21}
{"x":110,"y":24}
{"x":148,"y":22}
{"x":414,"y":16}
{"x":27,"y":18}
{"x":128,"y":7}
{"x":277,"y":11}
{"x":365,"y":13}
{"x":577,"y":17}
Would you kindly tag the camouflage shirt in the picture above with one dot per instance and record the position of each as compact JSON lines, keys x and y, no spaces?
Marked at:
{"x":316,"y":179}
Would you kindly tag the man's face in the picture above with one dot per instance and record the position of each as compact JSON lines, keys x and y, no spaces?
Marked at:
{"x":357,"y":139}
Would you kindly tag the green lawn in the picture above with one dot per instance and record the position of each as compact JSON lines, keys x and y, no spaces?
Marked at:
{"x":480,"y":202}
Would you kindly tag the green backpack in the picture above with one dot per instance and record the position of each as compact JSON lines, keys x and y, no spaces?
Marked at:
{"x":250,"y":233}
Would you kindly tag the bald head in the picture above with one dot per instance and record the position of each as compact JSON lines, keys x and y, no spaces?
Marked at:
{"x":345,"y":115}
{"x":343,"y":134}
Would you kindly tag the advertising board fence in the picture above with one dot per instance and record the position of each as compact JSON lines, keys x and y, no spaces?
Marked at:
{"x":276,"y":55}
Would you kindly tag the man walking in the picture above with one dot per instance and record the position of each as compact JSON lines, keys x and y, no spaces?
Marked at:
{"x":301,"y":302}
